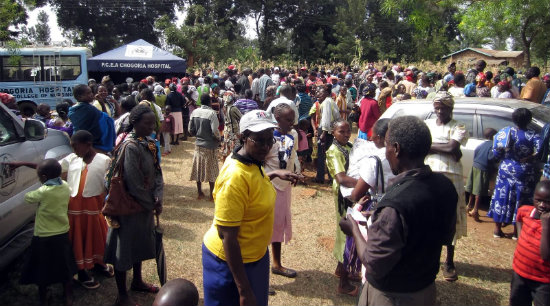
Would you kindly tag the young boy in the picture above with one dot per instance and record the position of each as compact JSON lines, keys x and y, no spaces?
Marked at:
{"x":167,"y":130}
{"x":480,"y":174}
{"x":531,"y":279}
{"x":51,"y":257}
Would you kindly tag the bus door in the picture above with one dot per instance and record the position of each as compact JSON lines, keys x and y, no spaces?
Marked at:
{"x":49,"y":84}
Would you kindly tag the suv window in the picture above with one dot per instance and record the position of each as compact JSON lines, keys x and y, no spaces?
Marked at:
{"x":467,"y":119}
{"x":495,"y":122}
{"x":7,"y":129}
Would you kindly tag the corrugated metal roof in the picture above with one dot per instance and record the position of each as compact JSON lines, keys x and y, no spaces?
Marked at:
{"x":488,"y":52}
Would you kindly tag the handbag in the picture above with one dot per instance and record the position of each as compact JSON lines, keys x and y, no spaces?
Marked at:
{"x":376,"y":196}
{"x":119,"y":202}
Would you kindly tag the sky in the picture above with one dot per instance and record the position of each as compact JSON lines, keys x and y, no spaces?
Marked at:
{"x":56,"y":36}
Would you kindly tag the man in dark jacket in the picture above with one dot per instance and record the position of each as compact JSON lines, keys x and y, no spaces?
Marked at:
{"x":416,"y":216}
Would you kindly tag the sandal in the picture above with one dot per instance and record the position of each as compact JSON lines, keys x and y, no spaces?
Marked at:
{"x":149,"y":288}
{"x":284,"y":272}
{"x":89,"y":284}
{"x":353,"y":292}
{"x":108,"y":271}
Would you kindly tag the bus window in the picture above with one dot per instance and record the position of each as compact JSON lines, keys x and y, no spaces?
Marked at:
{"x":25,"y":70}
{"x":69,"y":68}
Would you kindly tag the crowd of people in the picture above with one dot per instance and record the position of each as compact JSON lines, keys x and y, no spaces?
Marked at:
{"x":398,"y":190}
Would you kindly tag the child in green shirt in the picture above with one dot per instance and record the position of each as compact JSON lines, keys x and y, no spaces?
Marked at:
{"x":51,"y":257}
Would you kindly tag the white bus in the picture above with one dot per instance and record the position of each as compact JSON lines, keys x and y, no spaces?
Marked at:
{"x":43,"y":74}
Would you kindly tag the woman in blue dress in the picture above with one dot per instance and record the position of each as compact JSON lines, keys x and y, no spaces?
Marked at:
{"x":516,"y":147}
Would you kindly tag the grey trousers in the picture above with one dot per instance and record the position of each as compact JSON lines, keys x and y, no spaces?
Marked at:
{"x":373,"y":297}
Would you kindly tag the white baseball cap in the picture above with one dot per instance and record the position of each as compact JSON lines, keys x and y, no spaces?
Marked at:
{"x":256,"y":121}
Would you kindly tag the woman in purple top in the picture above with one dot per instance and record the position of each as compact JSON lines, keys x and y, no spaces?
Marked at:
{"x":247,"y":104}
{"x":61,"y":122}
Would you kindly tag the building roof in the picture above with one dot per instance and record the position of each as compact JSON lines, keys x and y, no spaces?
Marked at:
{"x":497,"y":54}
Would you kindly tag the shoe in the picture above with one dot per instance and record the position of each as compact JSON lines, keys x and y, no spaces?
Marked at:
{"x":515,"y":238}
{"x":284,"y":272}
{"x":449,"y":273}
{"x":89,"y":284}
{"x":107,"y":271}
{"x":271,"y":291}
{"x":353,"y":292}
{"x":498,"y":235}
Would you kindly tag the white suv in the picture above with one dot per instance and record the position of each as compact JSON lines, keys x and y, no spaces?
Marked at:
{"x":27,"y":141}
{"x":477,"y":114}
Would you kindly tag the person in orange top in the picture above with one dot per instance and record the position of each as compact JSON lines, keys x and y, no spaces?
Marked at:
{"x":534,"y":89}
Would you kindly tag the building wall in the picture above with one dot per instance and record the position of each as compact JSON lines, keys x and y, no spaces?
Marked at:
{"x":469,"y":57}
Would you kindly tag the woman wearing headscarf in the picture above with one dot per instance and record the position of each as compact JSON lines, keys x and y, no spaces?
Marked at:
{"x":370,"y":112}
{"x":481,"y":88}
{"x":134,"y":240}
{"x":504,"y":90}
{"x":516,"y":147}
{"x":445,"y":154}
{"x":232,"y":117}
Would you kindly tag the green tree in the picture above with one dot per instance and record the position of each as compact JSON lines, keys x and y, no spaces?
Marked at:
{"x":523,"y":20}
{"x":12,"y":13}
{"x":105,"y":24}
{"x":434,"y":25}
{"x":37,"y":34}
{"x":198,"y":40}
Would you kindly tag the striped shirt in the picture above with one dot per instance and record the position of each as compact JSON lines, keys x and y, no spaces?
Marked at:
{"x":527,"y":258}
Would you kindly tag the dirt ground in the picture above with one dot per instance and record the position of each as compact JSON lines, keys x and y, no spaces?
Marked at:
{"x":483,"y":262}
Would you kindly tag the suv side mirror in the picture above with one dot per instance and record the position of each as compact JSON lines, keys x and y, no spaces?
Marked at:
{"x":35,"y":130}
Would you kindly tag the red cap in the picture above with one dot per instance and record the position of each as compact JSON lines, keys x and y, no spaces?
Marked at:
{"x":143,"y":81}
{"x":303,"y":68}
{"x":231,"y":67}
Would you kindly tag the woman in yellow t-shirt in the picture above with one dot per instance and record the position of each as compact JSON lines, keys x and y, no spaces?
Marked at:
{"x":235,"y":258}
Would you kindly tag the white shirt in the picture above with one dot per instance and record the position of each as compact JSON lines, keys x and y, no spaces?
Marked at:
{"x":453,"y":130}
{"x":95,"y":179}
{"x":457,"y":92}
{"x":367,"y":170}
{"x":329,"y":113}
{"x":278,"y":101}
{"x":494,"y":91}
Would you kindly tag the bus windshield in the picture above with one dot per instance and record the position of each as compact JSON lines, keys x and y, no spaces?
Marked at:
{"x":43,"y":75}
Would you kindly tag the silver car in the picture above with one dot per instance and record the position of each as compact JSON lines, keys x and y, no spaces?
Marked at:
{"x":477,"y":114}
{"x":27,"y":141}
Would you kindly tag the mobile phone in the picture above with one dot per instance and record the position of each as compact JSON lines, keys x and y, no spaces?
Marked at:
{"x":536,"y":215}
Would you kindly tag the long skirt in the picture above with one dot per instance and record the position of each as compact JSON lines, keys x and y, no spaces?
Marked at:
{"x":178,"y":123}
{"x":205,"y":165}
{"x":461,"y":214}
{"x":51,"y":261}
{"x":219,"y":285}
{"x":282,"y":224}
{"x":514,"y":187}
{"x":131,"y":243}
{"x":88,"y":229}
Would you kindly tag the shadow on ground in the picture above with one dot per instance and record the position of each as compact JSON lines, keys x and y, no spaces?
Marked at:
{"x":315,"y":284}
{"x":458,"y":293}
{"x":491,"y":274}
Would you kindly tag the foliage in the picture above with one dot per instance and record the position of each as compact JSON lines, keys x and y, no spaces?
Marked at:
{"x":37,"y":34}
{"x":498,"y":20}
{"x":106,"y":24}
{"x":12,"y":13}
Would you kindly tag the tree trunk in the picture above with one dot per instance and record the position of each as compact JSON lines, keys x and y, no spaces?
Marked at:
{"x":526,"y":43}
